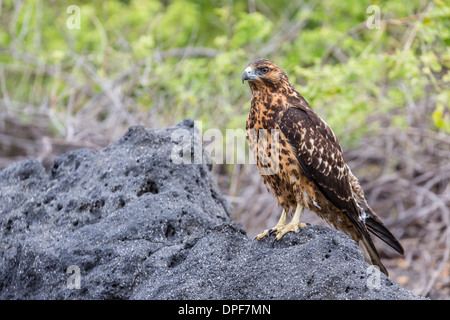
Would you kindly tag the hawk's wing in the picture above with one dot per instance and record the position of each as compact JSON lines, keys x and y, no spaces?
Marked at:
{"x":320,"y":156}
{"x":321,"y":160}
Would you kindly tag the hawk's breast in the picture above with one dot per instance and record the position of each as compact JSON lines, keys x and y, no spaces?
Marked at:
{"x":276,"y":159}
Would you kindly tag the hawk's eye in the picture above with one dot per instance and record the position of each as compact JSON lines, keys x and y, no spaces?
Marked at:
{"x":264,"y":70}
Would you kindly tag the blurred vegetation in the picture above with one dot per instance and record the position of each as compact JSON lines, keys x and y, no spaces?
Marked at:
{"x":384,"y":91}
{"x":177,"y":59}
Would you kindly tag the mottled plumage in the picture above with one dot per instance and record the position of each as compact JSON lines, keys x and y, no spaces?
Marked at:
{"x":301,"y":162}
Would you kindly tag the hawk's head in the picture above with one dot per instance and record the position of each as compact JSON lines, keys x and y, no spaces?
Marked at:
{"x":263,"y":73}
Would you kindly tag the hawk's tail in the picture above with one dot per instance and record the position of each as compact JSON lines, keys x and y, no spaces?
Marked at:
{"x":373,"y":224}
{"x":364,"y":241}
{"x":370,"y":253}
{"x":377,"y":227}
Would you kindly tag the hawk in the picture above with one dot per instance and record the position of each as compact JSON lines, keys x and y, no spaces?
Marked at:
{"x":302,"y":164}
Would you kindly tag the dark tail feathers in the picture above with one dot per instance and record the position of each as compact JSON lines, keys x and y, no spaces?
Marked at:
{"x":377,"y":227}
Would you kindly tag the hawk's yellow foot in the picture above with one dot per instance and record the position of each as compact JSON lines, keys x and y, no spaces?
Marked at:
{"x":281,"y":228}
{"x":280,"y":225}
{"x":290,"y":227}
{"x":293,"y":226}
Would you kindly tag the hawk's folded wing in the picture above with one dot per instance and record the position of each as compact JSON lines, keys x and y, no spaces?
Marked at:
{"x":320,"y":156}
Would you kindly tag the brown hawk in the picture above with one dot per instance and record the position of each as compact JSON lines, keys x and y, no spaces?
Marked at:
{"x":301,"y":162}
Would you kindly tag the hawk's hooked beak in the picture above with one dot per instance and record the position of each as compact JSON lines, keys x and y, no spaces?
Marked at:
{"x":249,"y":74}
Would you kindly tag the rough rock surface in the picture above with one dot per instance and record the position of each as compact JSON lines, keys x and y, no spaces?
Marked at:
{"x":129,"y":223}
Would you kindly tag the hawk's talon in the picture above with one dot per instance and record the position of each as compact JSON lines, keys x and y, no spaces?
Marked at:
{"x":291,"y":227}
{"x":280,"y":224}
{"x":273,"y":230}
{"x":272,"y":243}
{"x":268,"y":233}
{"x":262,"y":235}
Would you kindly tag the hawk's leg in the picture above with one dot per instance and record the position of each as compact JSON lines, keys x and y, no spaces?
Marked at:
{"x":294,"y":225}
{"x":280,"y":225}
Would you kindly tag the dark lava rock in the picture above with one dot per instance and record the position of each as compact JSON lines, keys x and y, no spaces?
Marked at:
{"x":131,"y":222}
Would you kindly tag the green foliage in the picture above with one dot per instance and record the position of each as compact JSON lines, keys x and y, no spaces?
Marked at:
{"x":355,"y":77}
